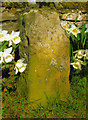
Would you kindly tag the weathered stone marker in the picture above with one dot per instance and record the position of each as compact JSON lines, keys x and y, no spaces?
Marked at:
{"x":46,"y":50}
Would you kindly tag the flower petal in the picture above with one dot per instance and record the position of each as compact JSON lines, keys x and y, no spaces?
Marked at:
{"x":16,"y":40}
{"x":86,"y":30}
{"x":16,"y":33}
{"x":8,"y":58}
{"x":19,"y":64}
{"x":10,"y":43}
{"x":76,"y":65}
{"x":86,"y":26}
{"x":65,"y":25}
{"x":74,"y":30}
{"x":4,"y":31}
{"x":21,"y":69}
{"x":16,"y":70}
{"x":8,"y":51}
{"x":21,"y":60}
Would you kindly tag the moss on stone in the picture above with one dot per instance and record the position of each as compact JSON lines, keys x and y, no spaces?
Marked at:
{"x":75,"y":5}
{"x":44,"y":54}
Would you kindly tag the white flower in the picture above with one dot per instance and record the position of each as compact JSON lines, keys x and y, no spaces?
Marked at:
{"x":86,"y":26}
{"x":14,"y":38}
{"x":86,"y":30}
{"x":68,"y":30}
{"x":8,"y":50}
{"x":20,"y":66}
{"x":64,"y":25}
{"x":6,"y":56}
{"x":86,"y":54}
{"x":3,"y":35}
{"x":80,"y":61}
{"x":79,"y":53}
{"x":74,"y":30}
{"x":76,"y":65}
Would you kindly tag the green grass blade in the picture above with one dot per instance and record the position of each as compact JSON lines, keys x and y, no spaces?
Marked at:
{"x":82,"y":33}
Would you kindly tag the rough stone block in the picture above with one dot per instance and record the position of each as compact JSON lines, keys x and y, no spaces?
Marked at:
{"x":46,"y":50}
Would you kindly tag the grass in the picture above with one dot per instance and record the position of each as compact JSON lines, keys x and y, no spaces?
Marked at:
{"x":14,"y":106}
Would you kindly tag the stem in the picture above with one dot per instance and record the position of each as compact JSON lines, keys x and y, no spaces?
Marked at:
{"x":3,"y":46}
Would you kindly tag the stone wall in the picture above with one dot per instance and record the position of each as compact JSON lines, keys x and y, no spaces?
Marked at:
{"x":68,"y":12}
{"x":70,"y":16}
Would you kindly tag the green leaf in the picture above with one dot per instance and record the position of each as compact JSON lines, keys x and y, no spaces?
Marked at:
{"x":3,"y":46}
{"x":78,"y":36}
{"x":71,"y":51}
{"x":73,"y":37}
{"x":84,"y":41}
{"x":82,"y":33}
{"x":76,"y":20}
{"x":14,"y":48}
{"x":78,"y":40}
